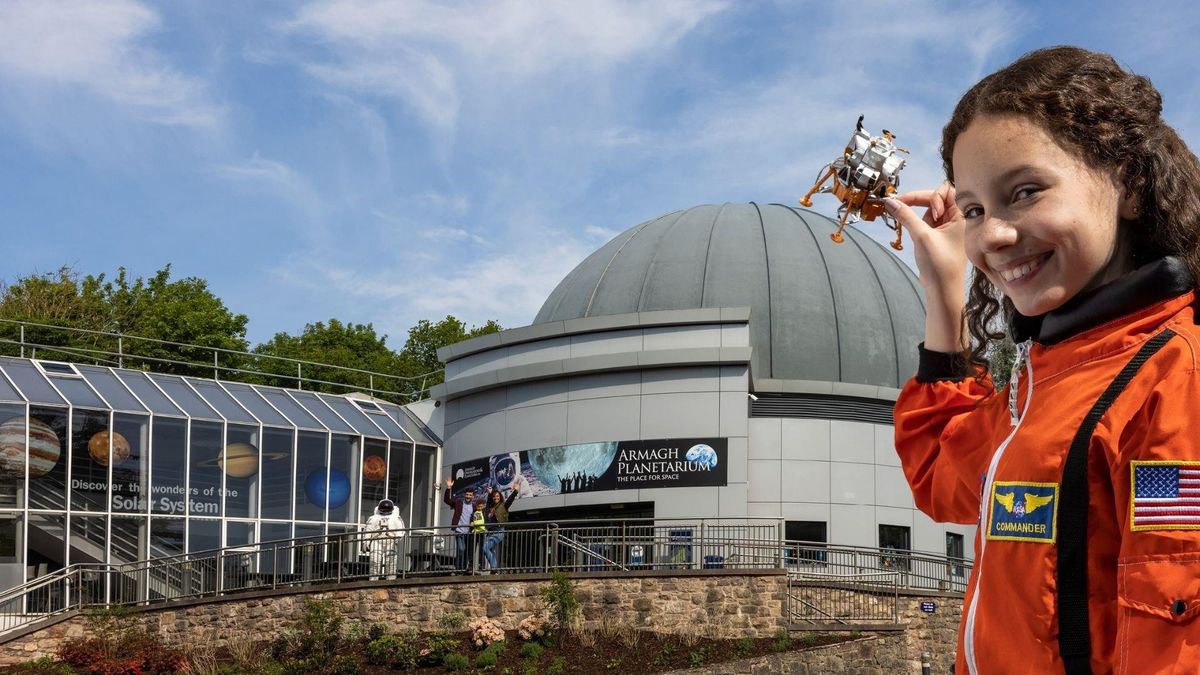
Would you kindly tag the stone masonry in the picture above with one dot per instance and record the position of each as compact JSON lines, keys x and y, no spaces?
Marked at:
{"x":716,"y":603}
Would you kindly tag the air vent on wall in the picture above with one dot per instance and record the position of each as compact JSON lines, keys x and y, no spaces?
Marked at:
{"x":823,"y":406}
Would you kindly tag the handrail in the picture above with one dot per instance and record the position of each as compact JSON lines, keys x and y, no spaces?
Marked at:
{"x":580,"y":545}
{"x":572,"y":544}
{"x":86,"y":353}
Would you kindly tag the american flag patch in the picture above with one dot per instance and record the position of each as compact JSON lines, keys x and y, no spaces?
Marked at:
{"x":1166,"y":496}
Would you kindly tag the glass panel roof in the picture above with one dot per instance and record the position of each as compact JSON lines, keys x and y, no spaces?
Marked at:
{"x":30,"y":381}
{"x":411,"y":426}
{"x":78,"y":392}
{"x":388,"y":425}
{"x":7,"y":393}
{"x":313,"y":404}
{"x":110,"y":388}
{"x":255,"y":404}
{"x":290,"y":408}
{"x":150,"y":395}
{"x":185,"y":397}
{"x":353,"y":415}
{"x":222,"y":401}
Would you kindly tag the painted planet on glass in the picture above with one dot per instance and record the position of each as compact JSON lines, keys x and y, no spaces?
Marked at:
{"x":374,"y":467}
{"x":98,"y":447}
{"x":339,"y":488}
{"x":592,"y":459}
{"x":240,"y":460}
{"x":44,"y":447}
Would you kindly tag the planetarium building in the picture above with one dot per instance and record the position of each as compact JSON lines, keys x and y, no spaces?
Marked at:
{"x":723,"y":361}
{"x":109,"y":465}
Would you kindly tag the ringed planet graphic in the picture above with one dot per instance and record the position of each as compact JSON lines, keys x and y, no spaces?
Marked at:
{"x":44,"y":447}
{"x":240,"y":460}
{"x":98,"y":447}
{"x":374,"y":467}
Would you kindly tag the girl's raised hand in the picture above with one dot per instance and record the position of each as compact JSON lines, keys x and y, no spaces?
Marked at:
{"x":941,"y":260}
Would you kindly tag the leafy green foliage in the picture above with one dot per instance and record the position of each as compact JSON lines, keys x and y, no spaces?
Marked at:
{"x":744,"y":646}
{"x":1000,"y":361}
{"x":316,"y":641}
{"x":452,"y":620}
{"x":456,"y":661}
{"x":782,"y":641}
{"x":558,"y":666}
{"x":560,"y":600}
{"x":186,"y":311}
{"x":183,"y":311}
{"x":392,"y":650}
{"x":532,"y":651}
{"x":696,"y":658}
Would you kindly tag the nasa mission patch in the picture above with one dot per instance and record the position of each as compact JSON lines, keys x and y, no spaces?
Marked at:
{"x":1023,"y":512}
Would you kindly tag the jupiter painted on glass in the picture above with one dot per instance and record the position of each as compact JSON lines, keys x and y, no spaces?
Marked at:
{"x":44,"y":447}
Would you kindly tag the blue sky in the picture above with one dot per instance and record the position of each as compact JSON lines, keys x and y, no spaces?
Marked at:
{"x":389,"y":161}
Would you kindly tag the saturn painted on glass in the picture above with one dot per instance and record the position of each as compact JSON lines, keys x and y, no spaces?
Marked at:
{"x":240,"y":460}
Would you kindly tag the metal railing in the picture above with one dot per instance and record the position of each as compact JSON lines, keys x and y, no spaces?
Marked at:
{"x":826,"y":583}
{"x":27,"y":339}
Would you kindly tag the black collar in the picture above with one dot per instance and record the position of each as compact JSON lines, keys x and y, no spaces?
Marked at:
{"x":1153,"y":282}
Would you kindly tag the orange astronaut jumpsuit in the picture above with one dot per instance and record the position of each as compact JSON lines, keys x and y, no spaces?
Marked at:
{"x":957,"y":440}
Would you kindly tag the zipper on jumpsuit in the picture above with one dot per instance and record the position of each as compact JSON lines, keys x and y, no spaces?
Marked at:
{"x":1015,"y":417}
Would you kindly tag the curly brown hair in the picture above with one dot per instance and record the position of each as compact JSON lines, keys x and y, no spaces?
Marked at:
{"x":1110,"y":118}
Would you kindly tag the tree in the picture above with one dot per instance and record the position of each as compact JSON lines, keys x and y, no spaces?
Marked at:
{"x":183,"y":311}
{"x":425,"y":338}
{"x":350,"y":345}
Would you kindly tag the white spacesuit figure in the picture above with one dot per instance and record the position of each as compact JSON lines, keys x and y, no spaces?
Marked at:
{"x":382,"y":535}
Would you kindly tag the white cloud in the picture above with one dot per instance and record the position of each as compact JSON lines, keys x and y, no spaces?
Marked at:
{"x":429,"y":54}
{"x":279,"y":180}
{"x":98,"y":47}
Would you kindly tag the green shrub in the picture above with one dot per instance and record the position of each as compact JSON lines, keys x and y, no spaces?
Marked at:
{"x":782,"y":641}
{"x":376,"y":630}
{"x":452,"y":620}
{"x":344,"y":664}
{"x":696,"y":658}
{"x":440,"y":644}
{"x":486,"y":659}
{"x":807,"y":639}
{"x":558,"y":667}
{"x":455,"y":661}
{"x":531,"y":650}
{"x":229,"y":669}
{"x":393,"y":650}
{"x":560,"y":600}
{"x":44,"y":666}
{"x":744,"y":646}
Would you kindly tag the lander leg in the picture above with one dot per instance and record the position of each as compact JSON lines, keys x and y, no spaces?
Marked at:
{"x":806,"y":200}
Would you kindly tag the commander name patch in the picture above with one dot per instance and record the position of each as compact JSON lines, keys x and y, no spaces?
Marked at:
{"x":1023,"y":512}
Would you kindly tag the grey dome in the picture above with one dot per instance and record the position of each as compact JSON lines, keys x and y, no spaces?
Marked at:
{"x":849,"y":312}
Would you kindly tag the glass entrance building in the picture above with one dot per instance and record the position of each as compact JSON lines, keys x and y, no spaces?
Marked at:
{"x":108,"y":465}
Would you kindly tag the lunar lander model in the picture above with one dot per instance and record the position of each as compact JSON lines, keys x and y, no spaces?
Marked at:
{"x":867,"y":173}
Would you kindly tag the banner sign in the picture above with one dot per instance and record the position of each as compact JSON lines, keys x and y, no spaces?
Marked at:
{"x":587,"y":467}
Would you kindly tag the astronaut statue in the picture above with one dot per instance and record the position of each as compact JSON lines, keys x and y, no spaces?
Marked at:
{"x":381,"y":539}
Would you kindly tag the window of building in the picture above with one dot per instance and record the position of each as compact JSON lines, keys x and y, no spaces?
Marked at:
{"x":91,"y":452}
{"x":954,"y":551}
{"x":374,"y":477}
{"x":806,"y":541}
{"x":895,"y":542}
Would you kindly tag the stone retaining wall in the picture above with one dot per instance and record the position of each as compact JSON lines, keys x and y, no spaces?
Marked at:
{"x":718,"y":603}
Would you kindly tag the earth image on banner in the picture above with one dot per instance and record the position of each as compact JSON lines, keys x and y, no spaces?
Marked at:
{"x":591,"y":459}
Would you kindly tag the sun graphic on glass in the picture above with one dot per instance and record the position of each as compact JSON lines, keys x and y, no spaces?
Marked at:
{"x":374,"y":467}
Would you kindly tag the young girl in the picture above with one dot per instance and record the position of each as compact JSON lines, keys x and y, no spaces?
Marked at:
{"x":1079,"y":210}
